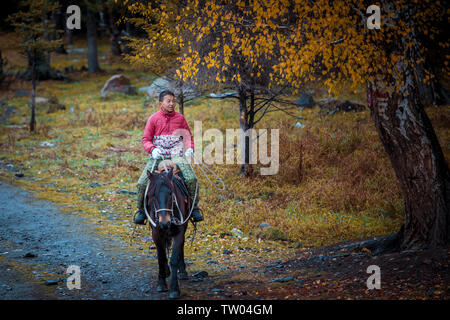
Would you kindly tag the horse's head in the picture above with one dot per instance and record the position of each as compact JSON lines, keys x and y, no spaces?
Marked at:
{"x":160,"y":197}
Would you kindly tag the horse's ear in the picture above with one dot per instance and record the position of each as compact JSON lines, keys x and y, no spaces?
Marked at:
{"x":170,"y":174}
{"x":150,"y":175}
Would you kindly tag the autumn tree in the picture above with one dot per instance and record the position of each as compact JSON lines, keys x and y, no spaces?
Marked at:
{"x":331,"y":42}
{"x":32,"y":25}
{"x":159,"y":49}
{"x":385,"y":60}
{"x":208,"y":44}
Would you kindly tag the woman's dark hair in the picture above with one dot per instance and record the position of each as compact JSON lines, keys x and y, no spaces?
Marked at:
{"x":165,"y":93}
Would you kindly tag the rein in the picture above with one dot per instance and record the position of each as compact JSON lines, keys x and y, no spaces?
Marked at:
{"x":182,"y":221}
{"x":174,"y":199}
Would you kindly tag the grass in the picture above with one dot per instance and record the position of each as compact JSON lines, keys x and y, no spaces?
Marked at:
{"x":335,"y":181}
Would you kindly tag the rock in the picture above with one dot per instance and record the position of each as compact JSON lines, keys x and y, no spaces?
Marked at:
{"x":226,"y":251}
{"x":200,"y":274}
{"x":222,"y":95}
{"x":52,"y":282}
{"x":348,"y":106}
{"x":118,"y":83}
{"x":328,"y":103}
{"x":126,"y":192}
{"x":21,"y":92}
{"x":30,"y":255}
{"x":305,"y":101}
{"x":286,"y":279}
{"x":144,"y":89}
{"x":263,"y":225}
{"x":216,"y":290}
{"x":78,"y":50}
{"x":273,"y":266}
{"x":47,"y":144}
{"x":331,"y":106}
{"x":161,"y":84}
{"x":237,"y":233}
{"x":40,"y":100}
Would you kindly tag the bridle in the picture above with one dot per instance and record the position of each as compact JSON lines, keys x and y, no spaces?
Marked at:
{"x":175,"y":220}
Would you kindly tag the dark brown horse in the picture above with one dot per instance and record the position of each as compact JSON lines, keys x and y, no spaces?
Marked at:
{"x":167,"y":210}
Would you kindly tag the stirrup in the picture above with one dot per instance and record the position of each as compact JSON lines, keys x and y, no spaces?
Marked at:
{"x":197,"y":216}
{"x":139,"y":217}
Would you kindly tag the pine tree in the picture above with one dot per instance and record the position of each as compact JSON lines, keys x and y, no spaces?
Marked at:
{"x":33,"y":26}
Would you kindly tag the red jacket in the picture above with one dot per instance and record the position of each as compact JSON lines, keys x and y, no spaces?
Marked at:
{"x":169,"y":132}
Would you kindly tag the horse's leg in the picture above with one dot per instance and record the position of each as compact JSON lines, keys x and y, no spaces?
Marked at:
{"x":162,"y":261}
{"x":174,"y":265}
{"x":182,"y":274}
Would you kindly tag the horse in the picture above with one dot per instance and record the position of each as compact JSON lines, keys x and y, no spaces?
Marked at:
{"x":163,"y":199}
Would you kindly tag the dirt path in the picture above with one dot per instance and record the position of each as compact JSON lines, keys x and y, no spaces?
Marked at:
{"x":38,"y":243}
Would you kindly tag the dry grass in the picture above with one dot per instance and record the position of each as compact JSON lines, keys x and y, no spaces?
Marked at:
{"x":335,"y":180}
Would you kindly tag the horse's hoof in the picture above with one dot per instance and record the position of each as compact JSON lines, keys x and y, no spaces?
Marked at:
{"x":183,"y":275}
{"x":174,"y":294}
{"x":161,"y":288}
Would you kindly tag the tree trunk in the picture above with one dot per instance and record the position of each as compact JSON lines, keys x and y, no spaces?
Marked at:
{"x":417,"y":158}
{"x":246,"y":168}
{"x":68,"y":32}
{"x":33,"y":92}
{"x":1,"y":68}
{"x":91,"y":27}
{"x":181,"y":101}
{"x":114,"y":36}
{"x":58,"y":24}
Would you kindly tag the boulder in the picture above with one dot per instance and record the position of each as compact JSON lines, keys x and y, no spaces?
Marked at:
{"x":263,"y":225}
{"x":331,"y":106}
{"x":305,"y":101}
{"x":161,"y":84}
{"x":118,"y":83}
{"x":40,"y":100}
{"x":222,"y":95}
{"x":237,"y":233}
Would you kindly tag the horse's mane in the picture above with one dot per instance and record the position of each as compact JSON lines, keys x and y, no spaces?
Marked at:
{"x":157,"y":182}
